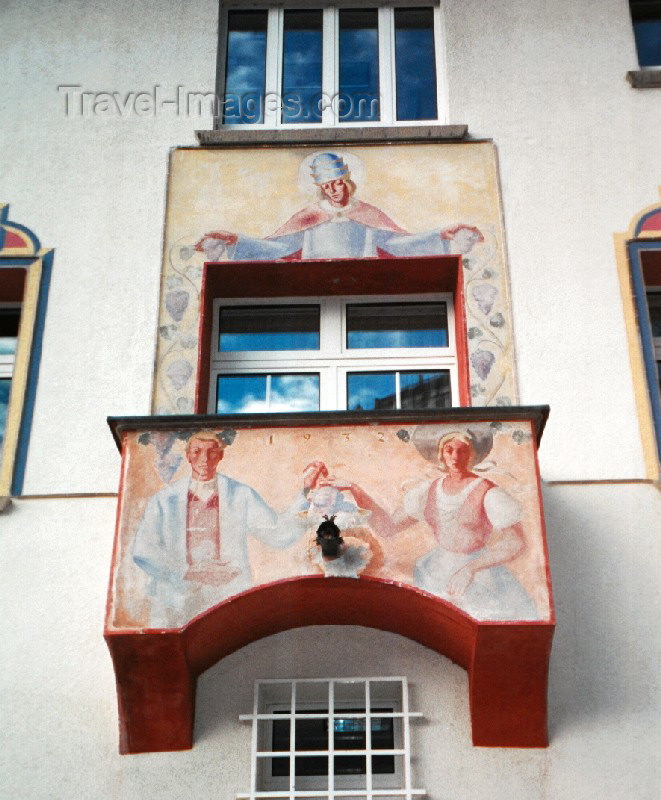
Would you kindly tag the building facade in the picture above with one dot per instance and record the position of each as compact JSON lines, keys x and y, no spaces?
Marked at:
{"x":461,"y":201}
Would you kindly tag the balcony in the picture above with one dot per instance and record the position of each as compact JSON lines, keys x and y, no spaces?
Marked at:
{"x":442,"y":541}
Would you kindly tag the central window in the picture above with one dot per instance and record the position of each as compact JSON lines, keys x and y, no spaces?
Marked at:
{"x":335,"y":353}
{"x":328,"y":66}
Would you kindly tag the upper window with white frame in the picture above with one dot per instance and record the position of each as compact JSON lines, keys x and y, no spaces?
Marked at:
{"x":359,"y":353}
{"x":301,"y":65}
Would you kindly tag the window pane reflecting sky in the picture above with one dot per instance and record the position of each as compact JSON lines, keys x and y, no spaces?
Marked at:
{"x":397,"y":325}
{"x":301,"y":69}
{"x":255,"y":328}
{"x":415,"y":63}
{"x":5,"y":386}
{"x":369,"y":390}
{"x":376,"y":391}
{"x":648,"y":42}
{"x":250,"y":394}
{"x":245,"y":72}
{"x":359,"y":66}
{"x":421,"y":390}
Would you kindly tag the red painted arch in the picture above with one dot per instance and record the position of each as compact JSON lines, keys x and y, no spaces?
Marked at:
{"x":507,"y":663}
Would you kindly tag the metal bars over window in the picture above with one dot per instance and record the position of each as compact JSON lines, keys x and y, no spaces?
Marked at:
{"x":328,"y":739}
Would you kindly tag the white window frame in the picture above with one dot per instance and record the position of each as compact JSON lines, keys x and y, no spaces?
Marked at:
{"x":330,"y":787}
{"x":330,"y":64}
{"x":334,"y":360}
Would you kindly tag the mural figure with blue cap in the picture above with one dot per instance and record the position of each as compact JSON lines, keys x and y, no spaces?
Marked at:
{"x":338,"y":225}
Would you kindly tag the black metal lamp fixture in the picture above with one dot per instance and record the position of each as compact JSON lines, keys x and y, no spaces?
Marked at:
{"x":328,"y":538}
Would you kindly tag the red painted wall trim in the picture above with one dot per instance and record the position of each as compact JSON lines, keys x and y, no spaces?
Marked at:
{"x":651,"y":263}
{"x":12,"y":283}
{"x":205,"y":328}
{"x":461,"y":339}
{"x":507,"y":662}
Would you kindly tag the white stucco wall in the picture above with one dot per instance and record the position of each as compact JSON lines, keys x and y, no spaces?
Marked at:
{"x":579,"y":158}
{"x":93,"y":188}
{"x":59,"y":707}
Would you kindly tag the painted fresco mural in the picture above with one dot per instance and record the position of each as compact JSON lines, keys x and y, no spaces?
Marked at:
{"x":450,"y":509}
{"x":348,"y":202}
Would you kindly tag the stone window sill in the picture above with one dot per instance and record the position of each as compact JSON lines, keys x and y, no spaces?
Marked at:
{"x":414,"y":133}
{"x":645,"y":78}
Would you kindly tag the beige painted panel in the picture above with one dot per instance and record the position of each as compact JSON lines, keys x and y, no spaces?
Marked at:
{"x":410,"y":199}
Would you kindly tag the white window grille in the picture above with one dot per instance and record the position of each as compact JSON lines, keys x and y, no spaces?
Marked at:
{"x":343,"y":738}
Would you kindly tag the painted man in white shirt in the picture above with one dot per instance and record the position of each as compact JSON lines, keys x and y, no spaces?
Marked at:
{"x":192,"y":539}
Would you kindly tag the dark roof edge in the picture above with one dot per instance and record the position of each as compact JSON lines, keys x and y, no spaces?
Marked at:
{"x":536,"y":414}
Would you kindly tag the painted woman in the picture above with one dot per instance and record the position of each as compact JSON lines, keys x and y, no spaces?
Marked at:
{"x":476,"y":525}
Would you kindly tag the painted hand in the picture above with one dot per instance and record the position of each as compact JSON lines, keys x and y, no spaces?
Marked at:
{"x":460,"y":581}
{"x":211,"y":242}
{"x":313,"y":474}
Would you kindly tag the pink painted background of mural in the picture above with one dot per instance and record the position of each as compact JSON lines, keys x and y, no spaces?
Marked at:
{"x":382,"y":461}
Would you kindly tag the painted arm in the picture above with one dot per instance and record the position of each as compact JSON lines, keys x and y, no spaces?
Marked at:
{"x":149,"y":548}
{"x":247,"y":248}
{"x":510,"y":544}
{"x":381,"y":521}
{"x":414,"y":244}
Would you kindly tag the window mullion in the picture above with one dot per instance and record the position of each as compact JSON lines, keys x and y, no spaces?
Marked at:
{"x":368,"y":740}
{"x":331,"y":739}
{"x":222,"y":67}
{"x":268,"y":392}
{"x":292,"y":738}
{"x":330,"y":62}
{"x":406,"y":738}
{"x":254,"y":742}
{"x":387,"y":79}
{"x":274,"y":55}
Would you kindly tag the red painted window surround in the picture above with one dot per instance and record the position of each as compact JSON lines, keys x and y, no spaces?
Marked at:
{"x":397,"y":276}
{"x":12,"y":285}
{"x":507,"y":663}
{"x":651,"y":263}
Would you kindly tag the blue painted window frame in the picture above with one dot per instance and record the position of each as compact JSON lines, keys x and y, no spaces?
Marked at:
{"x":635,"y":250}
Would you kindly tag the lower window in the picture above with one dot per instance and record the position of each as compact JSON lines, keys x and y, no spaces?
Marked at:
{"x":340,"y":737}
{"x":338,"y":353}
